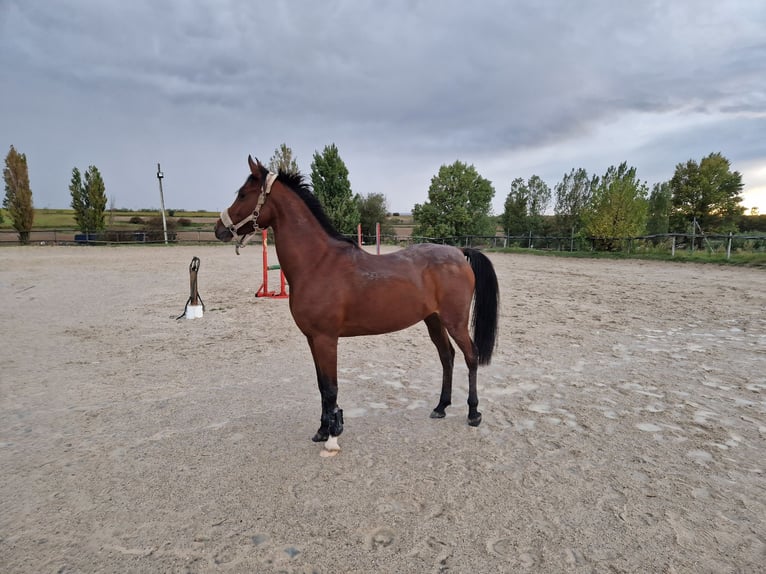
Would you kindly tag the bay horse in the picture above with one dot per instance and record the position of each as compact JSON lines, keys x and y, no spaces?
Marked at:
{"x":338,"y":289}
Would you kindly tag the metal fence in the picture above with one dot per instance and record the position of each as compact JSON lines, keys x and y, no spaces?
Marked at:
{"x":672,"y":242}
{"x":668,"y":243}
{"x":76,"y":237}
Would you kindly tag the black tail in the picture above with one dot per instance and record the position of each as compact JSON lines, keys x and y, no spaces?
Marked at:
{"x":485,"y":305}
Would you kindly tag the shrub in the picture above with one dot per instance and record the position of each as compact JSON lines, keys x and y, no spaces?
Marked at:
{"x":136,"y":219}
{"x":184,"y":221}
{"x":154,"y":230}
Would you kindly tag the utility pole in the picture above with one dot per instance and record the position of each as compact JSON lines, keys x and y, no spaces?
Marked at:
{"x":160,"y":175}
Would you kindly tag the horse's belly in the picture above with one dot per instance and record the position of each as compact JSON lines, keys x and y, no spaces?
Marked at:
{"x":374,"y":318}
{"x":378,"y":328}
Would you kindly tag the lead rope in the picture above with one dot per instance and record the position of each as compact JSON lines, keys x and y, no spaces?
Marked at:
{"x":194,"y":297}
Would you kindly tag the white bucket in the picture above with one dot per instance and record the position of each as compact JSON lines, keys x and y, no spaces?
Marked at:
{"x":193,"y":311}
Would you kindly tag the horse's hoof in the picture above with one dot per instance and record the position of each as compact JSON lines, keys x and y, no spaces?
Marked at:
{"x":437,"y":414}
{"x":320,"y":437}
{"x":475,"y":421}
{"x":331,"y":447}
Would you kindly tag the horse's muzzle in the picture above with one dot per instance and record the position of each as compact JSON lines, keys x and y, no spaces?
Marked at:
{"x":222,"y":233}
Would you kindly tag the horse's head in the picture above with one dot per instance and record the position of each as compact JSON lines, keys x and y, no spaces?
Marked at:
{"x":247,"y":214}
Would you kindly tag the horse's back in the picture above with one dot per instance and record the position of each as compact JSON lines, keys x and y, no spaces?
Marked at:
{"x":427,"y":254}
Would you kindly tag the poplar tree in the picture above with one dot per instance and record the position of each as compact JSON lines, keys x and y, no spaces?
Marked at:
{"x":18,"y":195}
{"x":329,"y":178}
{"x":88,"y":199}
{"x":283,"y":161}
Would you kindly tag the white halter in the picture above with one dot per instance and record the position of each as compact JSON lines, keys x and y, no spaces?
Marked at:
{"x":234,"y":228}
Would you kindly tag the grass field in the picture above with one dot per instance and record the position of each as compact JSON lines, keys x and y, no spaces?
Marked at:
{"x":64,"y":218}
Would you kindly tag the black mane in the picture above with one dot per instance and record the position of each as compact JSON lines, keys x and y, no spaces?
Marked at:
{"x":297,"y":183}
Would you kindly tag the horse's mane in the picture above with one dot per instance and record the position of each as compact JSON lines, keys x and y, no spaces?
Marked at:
{"x":298,"y":184}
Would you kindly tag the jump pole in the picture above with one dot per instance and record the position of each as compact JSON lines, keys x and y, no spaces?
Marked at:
{"x":377,"y":236}
{"x":264,"y":290}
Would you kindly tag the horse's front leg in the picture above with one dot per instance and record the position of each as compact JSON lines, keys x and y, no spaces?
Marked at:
{"x":324,"y":350}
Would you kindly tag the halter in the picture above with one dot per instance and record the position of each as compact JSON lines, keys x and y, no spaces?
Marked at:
{"x":234,"y":228}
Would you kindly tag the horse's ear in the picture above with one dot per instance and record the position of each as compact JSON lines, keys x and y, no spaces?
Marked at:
{"x":255,"y":168}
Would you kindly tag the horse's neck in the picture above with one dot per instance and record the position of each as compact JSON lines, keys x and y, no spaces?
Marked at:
{"x":300,"y":239}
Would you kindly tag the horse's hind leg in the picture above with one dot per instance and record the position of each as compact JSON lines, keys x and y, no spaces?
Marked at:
{"x":440,"y":338}
{"x":465,"y":344}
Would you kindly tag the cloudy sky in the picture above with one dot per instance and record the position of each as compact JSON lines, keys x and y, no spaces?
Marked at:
{"x":514,"y":87}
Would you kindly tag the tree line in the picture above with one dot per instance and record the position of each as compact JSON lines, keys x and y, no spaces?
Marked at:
{"x":705,"y":195}
{"x":329,"y":178}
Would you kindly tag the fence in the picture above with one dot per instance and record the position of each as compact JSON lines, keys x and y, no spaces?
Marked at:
{"x":75,"y":237}
{"x":668,"y":243}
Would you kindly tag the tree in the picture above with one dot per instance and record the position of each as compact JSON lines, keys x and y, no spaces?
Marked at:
{"x":708,"y":193}
{"x":18,"y":195}
{"x":88,"y":199}
{"x":618,"y":207}
{"x":573,"y":194}
{"x":525,"y":206}
{"x":373,"y":210}
{"x":283,"y":161}
{"x":514,"y":218}
{"x":459,"y":204}
{"x":539,"y":202}
{"x":658,"y":220}
{"x":329,"y":177}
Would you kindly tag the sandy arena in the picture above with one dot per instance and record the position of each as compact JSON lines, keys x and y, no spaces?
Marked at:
{"x":624,"y":424}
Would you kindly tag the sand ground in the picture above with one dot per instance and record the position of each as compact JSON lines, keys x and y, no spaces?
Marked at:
{"x":624,"y":424}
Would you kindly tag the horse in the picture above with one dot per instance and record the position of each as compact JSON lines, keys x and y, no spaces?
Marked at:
{"x":337,"y":289}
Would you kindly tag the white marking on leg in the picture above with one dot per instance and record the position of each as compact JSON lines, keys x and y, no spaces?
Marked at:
{"x":331,"y":447}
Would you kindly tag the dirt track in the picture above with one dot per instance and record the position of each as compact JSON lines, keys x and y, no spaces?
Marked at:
{"x":624,"y":425}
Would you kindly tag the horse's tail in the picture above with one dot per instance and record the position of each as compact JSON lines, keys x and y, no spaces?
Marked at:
{"x":485,"y":305}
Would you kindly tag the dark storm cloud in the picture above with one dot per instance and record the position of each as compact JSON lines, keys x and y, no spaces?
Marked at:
{"x":411,"y":84}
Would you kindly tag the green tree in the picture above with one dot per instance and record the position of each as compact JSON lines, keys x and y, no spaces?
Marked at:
{"x":539,"y":201}
{"x":525,"y":206}
{"x":514,"y":217}
{"x":708,"y":192}
{"x":373,"y":210}
{"x":618,"y":207}
{"x":658,"y":220}
{"x":459,"y":204}
{"x":573,"y":195}
{"x":18,"y":194}
{"x":329,"y":177}
{"x":88,"y":199}
{"x":283,"y":161}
